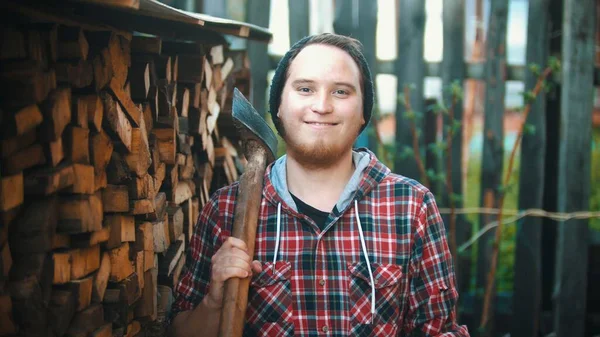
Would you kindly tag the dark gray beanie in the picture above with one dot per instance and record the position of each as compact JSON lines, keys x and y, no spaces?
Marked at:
{"x":280,"y":75}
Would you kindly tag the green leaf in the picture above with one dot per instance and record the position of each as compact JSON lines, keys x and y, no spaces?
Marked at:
{"x":535,"y":69}
{"x":529,"y":129}
{"x":456,"y":198}
{"x":528,"y":96}
{"x":554,"y":64}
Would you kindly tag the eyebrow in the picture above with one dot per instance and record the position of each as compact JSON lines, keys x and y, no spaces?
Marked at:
{"x":307,"y":81}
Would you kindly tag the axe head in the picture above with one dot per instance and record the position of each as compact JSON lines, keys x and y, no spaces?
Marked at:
{"x":252,"y":125}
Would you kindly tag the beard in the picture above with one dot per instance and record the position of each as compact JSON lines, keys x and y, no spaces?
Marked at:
{"x":321,"y":153}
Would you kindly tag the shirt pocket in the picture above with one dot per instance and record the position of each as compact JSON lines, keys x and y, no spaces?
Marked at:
{"x":387,"y":279}
{"x":269,"y":311}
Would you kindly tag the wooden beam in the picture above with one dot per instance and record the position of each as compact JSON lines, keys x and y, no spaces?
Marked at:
{"x":577,"y":100}
{"x":527,"y":298}
{"x":493,"y":141}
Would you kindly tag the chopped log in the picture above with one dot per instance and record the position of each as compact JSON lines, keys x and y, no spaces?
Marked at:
{"x":133,"y":329}
{"x":139,"y":79}
{"x":54,"y":152}
{"x":207,"y":70}
{"x":76,"y":145}
{"x":79,"y":112}
{"x":148,"y":120}
{"x":160,"y":233}
{"x":57,"y":113}
{"x":142,"y":207}
{"x":184,"y":191}
{"x":86,"y":321}
{"x":22,"y":121}
{"x":144,"y":239}
{"x":103,"y":331}
{"x":101,"y":149}
{"x":15,"y":144}
{"x":159,"y":176}
{"x":84,"y":261}
{"x":129,"y":108}
{"x":146,"y":44}
{"x":175,"y":221}
{"x":78,"y":74}
{"x":127,"y":291}
{"x":103,"y":69}
{"x":80,"y":214}
{"x":62,"y":267}
{"x":82,"y":291}
{"x":217,"y":79}
{"x":100,"y":180}
{"x":227,"y":68}
{"x":216,"y":54}
{"x":95,"y":110}
{"x":116,"y":120}
{"x":139,"y":160}
{"x":61,"y":311}
{"x":122,"y":229}
{"x":33,"y":229}
{"x":84,"y":180}
{"x":49,"y":180}
{"x":117,"y":170}
{"x":139,"y":268}
{"x":183,"y":101}
{"x":142,"y":188}
{"x":83,"y":240}
{"x":168,"y":261}
{"x":101,"y":278}
{"x":72,"y":44}
{"x":118,"y":60}
{"x":166,"y":144}
{"x":24,"y":159}
{"x":175,"y":69}
{"x":22,"y":88}
{"x":147,"y":305}
{"x":172,"y":279}
{"x":115,"y":198}
{"x":120,"y":266}
{"x":11,"y":191}
{"x":188,"y":219}
{"x":149,"y":259}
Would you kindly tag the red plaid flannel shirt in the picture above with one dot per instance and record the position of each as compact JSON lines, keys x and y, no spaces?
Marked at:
{"x":320,"y":284}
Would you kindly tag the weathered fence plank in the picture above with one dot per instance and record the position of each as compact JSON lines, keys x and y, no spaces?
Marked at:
{"x":528,"y":258}
{"x":493,"y":138}
{"x":453,"y":70}
{"x":410,"y":70}
{"x":258,"y":13}
{"x":577,"y":97}
{"x":299,"y":19}
{"x":358,"y":19}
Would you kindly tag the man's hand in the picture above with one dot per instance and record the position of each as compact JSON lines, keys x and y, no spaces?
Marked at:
{"x":231,"y":260}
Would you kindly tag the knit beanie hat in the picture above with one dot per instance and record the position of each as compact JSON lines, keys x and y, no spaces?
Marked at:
{"x":351,"y":46}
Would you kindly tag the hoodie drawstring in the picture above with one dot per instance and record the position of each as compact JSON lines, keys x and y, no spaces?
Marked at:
{"x":362,"y":243}
{"x":364,"y":248}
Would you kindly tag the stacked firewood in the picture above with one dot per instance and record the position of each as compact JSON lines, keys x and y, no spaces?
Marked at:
{"x":110,"y":145}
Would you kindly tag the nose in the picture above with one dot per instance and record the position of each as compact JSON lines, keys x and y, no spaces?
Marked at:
{"x":322,"y":103}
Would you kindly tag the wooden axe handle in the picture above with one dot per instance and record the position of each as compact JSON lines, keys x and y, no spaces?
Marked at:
{"x":247,"y":207}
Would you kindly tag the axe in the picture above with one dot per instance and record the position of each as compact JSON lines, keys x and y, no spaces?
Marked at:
{"x":259,"y":145}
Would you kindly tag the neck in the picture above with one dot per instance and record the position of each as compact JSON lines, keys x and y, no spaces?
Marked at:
{"x":319,"y":187}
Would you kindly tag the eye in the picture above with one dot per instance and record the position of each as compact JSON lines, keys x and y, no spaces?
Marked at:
{"x":341,"y":92}
{"x":304,"y":89}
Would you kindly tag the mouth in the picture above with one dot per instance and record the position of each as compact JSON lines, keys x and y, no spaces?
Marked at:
{"x":321,"y":124}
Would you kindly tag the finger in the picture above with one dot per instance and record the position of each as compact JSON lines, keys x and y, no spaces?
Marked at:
{"x":256,"y":266}
{"x":235,"y":242}
{"x":226,"y":273}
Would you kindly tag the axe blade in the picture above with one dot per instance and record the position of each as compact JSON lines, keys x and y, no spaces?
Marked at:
{"x":252,"y":125}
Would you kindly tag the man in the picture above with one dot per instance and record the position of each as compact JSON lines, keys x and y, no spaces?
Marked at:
{"x":343,"y":246}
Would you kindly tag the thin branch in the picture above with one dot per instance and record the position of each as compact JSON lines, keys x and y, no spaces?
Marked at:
{"x":494,"y":262}
{"x":415,"y":139}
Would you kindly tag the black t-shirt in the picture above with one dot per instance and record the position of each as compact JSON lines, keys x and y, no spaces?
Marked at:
{"x":318,"y":216}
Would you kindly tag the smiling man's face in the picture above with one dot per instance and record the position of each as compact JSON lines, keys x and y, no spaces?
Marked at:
{"x":321,"y":105}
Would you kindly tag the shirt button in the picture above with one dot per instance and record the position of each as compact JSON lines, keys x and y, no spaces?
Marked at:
{"x":325,"y":329}
{"x":322,"y":282}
